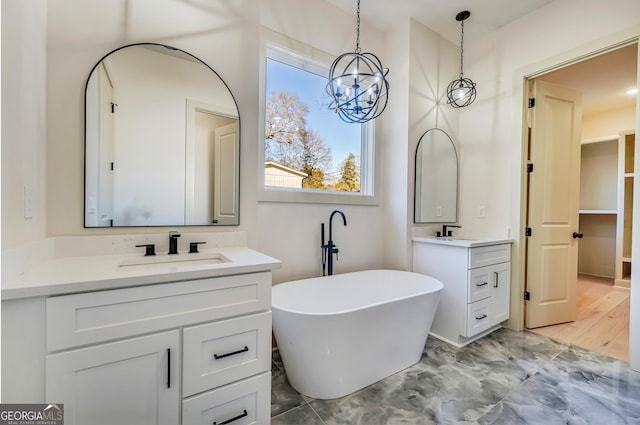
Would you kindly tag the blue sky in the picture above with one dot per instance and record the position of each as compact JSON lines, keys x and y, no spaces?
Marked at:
{"x":340,"y":136}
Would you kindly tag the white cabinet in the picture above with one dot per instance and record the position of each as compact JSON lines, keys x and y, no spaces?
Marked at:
{"x":131,"y":381}
{"x":162,"y":354}
{"x":476,"y":279}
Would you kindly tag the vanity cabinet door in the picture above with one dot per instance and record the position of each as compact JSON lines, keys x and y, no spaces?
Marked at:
{"x":134,"y":381}
{"x":500,"y":292}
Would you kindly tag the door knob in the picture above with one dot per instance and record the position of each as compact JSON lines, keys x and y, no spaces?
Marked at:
{"x":577,"y":235}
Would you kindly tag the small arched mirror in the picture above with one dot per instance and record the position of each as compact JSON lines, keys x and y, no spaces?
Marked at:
{"x":162,"y":136}
{"x":436,"y":180}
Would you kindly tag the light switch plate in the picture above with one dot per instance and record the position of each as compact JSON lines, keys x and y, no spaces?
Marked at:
{"x":481,"y":212}
{"x":28,"y":202}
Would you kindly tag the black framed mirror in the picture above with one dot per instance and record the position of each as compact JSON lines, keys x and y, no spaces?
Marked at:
{"x":162,"y":141}
{"x":436,"y":179}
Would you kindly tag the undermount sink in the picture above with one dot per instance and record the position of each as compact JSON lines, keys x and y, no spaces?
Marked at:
{"x":179,"y":261}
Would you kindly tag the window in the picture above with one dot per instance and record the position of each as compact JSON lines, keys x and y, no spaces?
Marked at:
{"x":310,"y":154}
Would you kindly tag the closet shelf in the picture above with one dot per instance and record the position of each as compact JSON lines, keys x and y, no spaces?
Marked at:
{"x":613,"y":212}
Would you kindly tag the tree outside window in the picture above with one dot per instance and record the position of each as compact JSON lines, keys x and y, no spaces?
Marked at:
{"x":302,"y":135}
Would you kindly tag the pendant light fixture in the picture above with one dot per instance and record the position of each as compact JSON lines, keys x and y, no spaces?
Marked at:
{"x":357,"y":84}
{"x":461,"y":92}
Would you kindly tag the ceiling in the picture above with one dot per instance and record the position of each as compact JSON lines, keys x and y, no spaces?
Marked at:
{"x":440,"y":15}
{"x":602,"y":80}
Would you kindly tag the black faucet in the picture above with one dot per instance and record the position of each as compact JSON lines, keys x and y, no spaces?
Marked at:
{"x":329,"y":249}
{"x":173,"y":242}
{"x":444,"y":229}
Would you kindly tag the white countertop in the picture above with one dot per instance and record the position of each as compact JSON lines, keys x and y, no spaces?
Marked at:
{"x":461,"y":241}
{"x":100,"y":272}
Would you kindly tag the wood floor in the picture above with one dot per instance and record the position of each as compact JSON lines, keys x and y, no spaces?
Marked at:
{"x":603,"y":319}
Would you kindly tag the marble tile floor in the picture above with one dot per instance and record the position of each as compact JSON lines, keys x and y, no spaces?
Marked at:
{"x":512,"y":378}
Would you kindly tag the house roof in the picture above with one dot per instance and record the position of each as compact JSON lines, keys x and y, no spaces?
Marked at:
{"x":271,"y":164}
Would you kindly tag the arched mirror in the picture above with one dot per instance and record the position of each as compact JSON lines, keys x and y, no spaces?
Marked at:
{"x":436,"y":180}
{"x":162,"y":141}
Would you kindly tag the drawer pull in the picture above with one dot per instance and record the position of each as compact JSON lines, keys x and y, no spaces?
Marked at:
{"x":495,"y":279}
{"x":221,"y":356}
{"x":482,"y":284}
{"x":168,"y":367}
{"x":228,"y":421}
{"x":484,"y":316}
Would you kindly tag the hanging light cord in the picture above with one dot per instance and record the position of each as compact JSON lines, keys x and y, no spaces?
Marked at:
{"x":358,"y":29}
{"x":461,"y":48}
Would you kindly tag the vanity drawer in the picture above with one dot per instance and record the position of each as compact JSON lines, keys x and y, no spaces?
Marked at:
{"x":244,"y":402}
{"x":88,"y":318}
{"x":221,"y":352}
{"x":478,"y":318}
{"x":487,"y":255}
{"x":480,"y":282}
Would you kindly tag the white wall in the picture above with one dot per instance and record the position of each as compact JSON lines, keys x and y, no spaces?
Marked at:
{"x":226,"y":35}
{"x":376,"y":236}
{"x":80,"y":33}
{"x":428,"y":63}
{"x":608,"y":123}
{"x":491,"y":129}
{"x":434,"y":64}
{"x":291,"y":232}
{"x":23,"y":119}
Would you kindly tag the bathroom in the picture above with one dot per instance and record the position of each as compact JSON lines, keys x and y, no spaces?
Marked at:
{"x":50,"y":46}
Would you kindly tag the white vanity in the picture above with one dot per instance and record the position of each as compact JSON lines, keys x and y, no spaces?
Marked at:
{"x":476,"y":276}
{"x":128,"y":339}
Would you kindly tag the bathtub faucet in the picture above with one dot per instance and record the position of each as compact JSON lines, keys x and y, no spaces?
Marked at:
{"x":329,"y":248}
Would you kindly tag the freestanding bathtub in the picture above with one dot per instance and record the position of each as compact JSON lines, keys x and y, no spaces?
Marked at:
{"x":340,"y":333}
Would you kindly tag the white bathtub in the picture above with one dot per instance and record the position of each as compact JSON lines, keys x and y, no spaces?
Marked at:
{"x":340,"y":333}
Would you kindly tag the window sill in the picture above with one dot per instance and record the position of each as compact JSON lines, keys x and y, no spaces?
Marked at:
{"x":310,"y":196}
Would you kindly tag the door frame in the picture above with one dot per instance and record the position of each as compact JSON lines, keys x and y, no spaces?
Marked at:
{"x":520,"y":93}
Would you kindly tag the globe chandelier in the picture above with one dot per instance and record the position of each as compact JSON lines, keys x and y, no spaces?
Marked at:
{"x":357,"y":84}
{"x":461,"y":92}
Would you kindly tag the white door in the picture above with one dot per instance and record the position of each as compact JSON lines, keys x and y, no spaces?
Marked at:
{"x":226,"y":175}
{"x":134,"y":381}
{"x":108,"y":110}
{"x":553,"y":205}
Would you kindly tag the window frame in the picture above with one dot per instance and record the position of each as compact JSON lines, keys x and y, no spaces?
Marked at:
{"x":295,"y":53}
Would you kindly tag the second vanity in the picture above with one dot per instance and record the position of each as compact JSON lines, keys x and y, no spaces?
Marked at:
{"x":476,"y":277}
{"x":144,"y":341}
